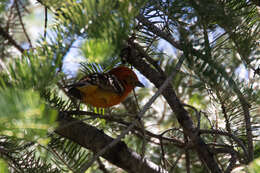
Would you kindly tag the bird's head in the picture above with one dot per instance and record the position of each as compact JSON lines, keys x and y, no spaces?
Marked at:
{"x":127,"y":77}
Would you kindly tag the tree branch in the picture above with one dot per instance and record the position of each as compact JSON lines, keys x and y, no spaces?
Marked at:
{"x":8,"y":37}
{"x":134,"y":56}
{"x":174,"y":141}
{"x":139,"y":116}
{"x":190,"y":50}
{"x":218,"y":132}
{"x":95,"y":140}
{"x":21,"y":22}
{"x":151,"y":27}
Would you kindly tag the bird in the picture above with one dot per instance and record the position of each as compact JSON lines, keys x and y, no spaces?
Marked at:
{"x":104,"y":90}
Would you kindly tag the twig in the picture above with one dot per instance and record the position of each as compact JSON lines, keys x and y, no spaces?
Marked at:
{"x":158,"y":32}
{"x":163,"y":153}
{"x":61,"y":159}
{"x":224,"y":111}
{"x":176,"y":142}
{"x":8,"y":37}
{"x":198,"y":115}
{"x":232,"y":163}
{"x":136,"y":101}
{"x":21,"y":22}
{"x":102,"y":166}
{"x":140,"y":114}
{"x":218,"y":132}
{"x":45,"y":21}
{"x":144,"y":142}
{"x":172,"y":129}
{"x":176,"y":162}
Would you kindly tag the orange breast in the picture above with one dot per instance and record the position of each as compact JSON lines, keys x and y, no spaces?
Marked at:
{"x":98,"y":97}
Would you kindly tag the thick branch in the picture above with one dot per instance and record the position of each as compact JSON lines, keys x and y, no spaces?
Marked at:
{"x":134,"y":56}
{"x":139,"y":115}
{"x":95,"y":140}
{"x":231,"y":82}
{"x":244,"y":55}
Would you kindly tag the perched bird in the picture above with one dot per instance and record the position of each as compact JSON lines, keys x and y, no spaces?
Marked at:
{"x":105,"y":89}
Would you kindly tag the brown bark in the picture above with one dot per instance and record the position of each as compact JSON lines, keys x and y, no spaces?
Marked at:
{"x":133,"y":54}
{"x":94,"y":139}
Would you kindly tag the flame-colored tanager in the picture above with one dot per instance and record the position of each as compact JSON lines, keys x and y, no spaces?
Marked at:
{"x":105,"y":89}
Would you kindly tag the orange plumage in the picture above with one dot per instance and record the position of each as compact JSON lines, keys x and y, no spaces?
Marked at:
{"x":106,"y":89}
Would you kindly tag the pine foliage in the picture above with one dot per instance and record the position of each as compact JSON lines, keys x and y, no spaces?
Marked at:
{"x":218,"y":40}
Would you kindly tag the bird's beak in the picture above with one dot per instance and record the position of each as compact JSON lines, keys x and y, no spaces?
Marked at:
{"x":139,"y":84}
